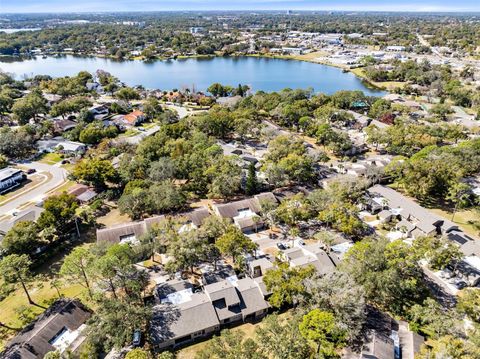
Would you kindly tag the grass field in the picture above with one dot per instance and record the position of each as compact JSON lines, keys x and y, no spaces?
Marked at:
{"x":388,"y":85}
{"x":112,"y":218}
{"x":42,"y":293}
{"x":51,"y":158}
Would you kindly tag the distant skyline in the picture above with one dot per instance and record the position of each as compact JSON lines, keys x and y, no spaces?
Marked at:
{"x":43,"y":6}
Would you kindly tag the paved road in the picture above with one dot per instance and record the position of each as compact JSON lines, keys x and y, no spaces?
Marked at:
{"x":182,"y":111}
{"x":36,"y":194}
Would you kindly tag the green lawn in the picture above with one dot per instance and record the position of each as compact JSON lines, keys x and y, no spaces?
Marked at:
{"x":130,"y":132}
{"x":51,"y":158}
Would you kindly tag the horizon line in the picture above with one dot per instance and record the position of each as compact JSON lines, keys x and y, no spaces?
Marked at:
{"x":420,"y":11}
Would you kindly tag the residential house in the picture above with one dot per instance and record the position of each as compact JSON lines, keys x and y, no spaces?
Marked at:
{"x":127,"y":232}
{"x":386,"y":338}
{"x":258,"y":267}
{"x":134,"y":118}
{"x":185,"y":315}
{"x":82,"y":193}
{"x":225,"y":300}
{"x":245,"y":213}
{"x":28,"y":215}
{"x":10,"y":178}
{"x":191,"y":317}
{"x":62,"y":125}
{"x":59,"y":144}
{"x":131,"y":231}
{"x":59,"y":328}
{"x":309,"y":255}
{"x":415,"y":221}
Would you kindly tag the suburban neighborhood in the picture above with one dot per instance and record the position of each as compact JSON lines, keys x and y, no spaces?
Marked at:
{"x":238,"y":219}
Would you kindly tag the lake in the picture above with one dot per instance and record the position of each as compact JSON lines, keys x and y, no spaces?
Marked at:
{"x":259,"y":73}
{"x":12,"y":31}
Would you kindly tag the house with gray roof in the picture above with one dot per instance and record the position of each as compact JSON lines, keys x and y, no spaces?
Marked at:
{"x":225,"y":300}
{"x":30,"y":214}
{"x":416,"y":220}
{"x":252,"y":302}
{"x":184,"y":315}
{"x":309,"y":255}
{"x":245,"y":213}
{"x":173,"y":325}
{"x":258,"y":267}
{"x":59,"y":328}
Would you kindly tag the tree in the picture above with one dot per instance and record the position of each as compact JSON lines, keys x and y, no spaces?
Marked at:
{"x":77,"y":266}
{"x":438,"y":251}
{"x":188,"y":251}
{"x":29,"y":107}
{"x":166,"y":355}
{"x":70,"y":105}
{"x":59,"y":211}
{"x":114,"y":322}
{"x":230,"y":345}
{"x":218,"y":90}
{"x":16,"y":269}
{"x":388,"y":271}
{"x":22,"y":238}
{"x":3,"y":161}
{"x":320,"y":327}
{"x":95,"y":132}
{"x":434,"y":320}
{"x":95,"y":172}
{"x":441,"y":111}
{"x":134,"y":203}
{"x":234,"y":243}
{"x":281,"y":339}
{"x":225,"y":177}
{"x":53,"y":355}
{"x":251,"y":186}
{"x":338,"y":294}
{"x":286,"y":284}
{"x":344,"y":218}
{"x":16,"y":143}
{"x":469,"y":303}
{"x":161,"y":170}
{"x":152,"y":108}
{"x":138,"y":354}
{"x":127,"y":94}
{"x":447,"y":347}
{"x":166,"y":197}
{"x":459,"y":194}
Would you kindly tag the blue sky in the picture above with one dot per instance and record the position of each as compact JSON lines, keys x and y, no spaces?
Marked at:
{"x":159,"y":5}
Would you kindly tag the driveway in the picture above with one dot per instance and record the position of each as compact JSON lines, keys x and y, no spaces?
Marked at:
{"x":182,"y":111}
{"x":38,"y":192}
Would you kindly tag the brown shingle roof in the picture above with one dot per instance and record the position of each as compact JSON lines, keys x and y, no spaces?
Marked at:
{"x":34,"y":340}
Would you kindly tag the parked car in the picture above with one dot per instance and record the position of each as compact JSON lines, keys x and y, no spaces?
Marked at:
{"x":31,"y":170}
{"x":281,"y":246}
{"x":461,"y":284}
{"x":137,"y":338}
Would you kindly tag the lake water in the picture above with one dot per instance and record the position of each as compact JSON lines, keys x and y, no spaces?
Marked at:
{"x":11,"y":31}
{"x":259,"y":73}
